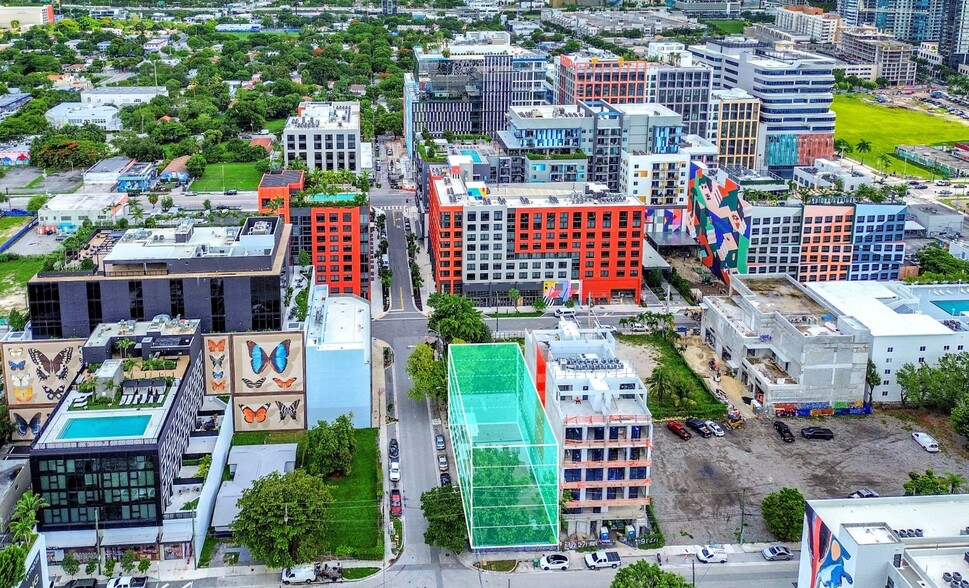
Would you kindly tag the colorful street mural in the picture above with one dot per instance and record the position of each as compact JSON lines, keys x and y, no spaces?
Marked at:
{"x":815,"y":409}
{"x":562,"y":290}
{"x":719,"y":220}
{"x":827,"y":557}
{"x":663,"y":220}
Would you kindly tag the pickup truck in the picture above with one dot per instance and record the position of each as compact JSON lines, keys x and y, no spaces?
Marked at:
{"x":602,"y":559}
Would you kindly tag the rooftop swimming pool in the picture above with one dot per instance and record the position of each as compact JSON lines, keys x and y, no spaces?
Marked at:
{"x":472,"y":154}
{"x":953,"y":307}
{"x":346,"y":197}
{"x":106,"y":427}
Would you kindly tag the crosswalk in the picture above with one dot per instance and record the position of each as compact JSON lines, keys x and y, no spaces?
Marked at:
{"x":394,"y":207}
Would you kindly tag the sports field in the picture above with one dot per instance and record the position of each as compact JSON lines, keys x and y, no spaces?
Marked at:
{"x":885,"y":128}
{"x":238,"y":176}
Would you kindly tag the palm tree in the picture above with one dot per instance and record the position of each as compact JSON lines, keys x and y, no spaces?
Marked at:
{"x":885,"y":161}
{"x":22,"y":530}
{"x":953,"y":481}
{"x":514,"y":294}
{"x":842,"y":146}
{"x":661,"y":382}
{"x":29,"y":503}
{"x":153,"y":199}
{"x":863,"y":146}
{"x":123,"y":346}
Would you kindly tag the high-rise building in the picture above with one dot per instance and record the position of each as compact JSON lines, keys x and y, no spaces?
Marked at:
{"x":553,"y":241}
{"x":795,"y":90}
{"x":227,"y":277}
{"x":334,"y":229}
{"x":388,"y":7}
{"x":584,"y":77}
{"x":734,"y":126}
{"x":823,"y":27}
{"x":324,"y":135}
{"x":892,"y":58}
{"x":467,"y":86}
{"x":604,"y":427}
{"x":911,"y":20}
{"x":954,"y":37}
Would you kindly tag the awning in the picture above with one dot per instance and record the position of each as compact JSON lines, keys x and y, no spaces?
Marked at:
{"x":671,"y":239}
{"x":911,"y":225}
{"x":132,"y":536}
{"x":69,"y":539}
{"x":177,"y":531}
{"x":652,"y":258}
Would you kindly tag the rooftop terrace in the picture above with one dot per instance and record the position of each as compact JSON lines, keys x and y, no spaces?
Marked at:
{"x":780,"y":294}
{"x":453,"y":191}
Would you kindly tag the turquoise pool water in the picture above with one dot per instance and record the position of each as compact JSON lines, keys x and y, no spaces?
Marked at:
{"x":107,"y":427}
{"x":472,"y":154}
{"x":333,"y":197}
{"x":953,"y":307}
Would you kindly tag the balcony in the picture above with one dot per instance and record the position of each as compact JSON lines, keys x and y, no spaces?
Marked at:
{"x":624,"y":463}
{"x":604,"y":483}
{"x":620,"y":442}
{"x":618,"y":502}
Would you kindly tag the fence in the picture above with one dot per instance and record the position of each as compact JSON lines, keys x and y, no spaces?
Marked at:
{"x":23,"y":231}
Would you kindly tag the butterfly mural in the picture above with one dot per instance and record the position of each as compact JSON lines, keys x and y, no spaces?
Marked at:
{"x":17,"y":365}
{"x":256,"y":415}
{"x":18,"y":380}
{"x":217,"y":360}
{"x":251,"y":384}
{"x":57,"y":366}
{"x":218,"y":386}
{"x":287,"y":410}
{"x":217,"y":345}
{"x":22,"y":426}
{"x":23,"y":394}
{"x":218,"y":375}
{"x":15,"y":352}
{"x":284,"y":383}
{"x":54,"y":394}
{"x":260,"y":360}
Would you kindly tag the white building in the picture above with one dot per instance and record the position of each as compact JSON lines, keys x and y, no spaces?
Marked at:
{"x":67,"y":212}
{"x":596,"y":403}
{"x":907,"y":323}
{"x":325,"y":135}
{"x":899,"y":542}
{"x":670,"y":52}
{"x":822,"y":27}
{"x":825,"y":174}
{"x":72,"y":113}
{"x":122,"y":95}
{"x":789,"y":348}
{"x":655,"y":179}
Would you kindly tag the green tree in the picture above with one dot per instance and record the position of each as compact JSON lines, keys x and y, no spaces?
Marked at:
{"x":12,"y":565}
{"x":427,"y":373}
{"x":283,"y":520}
{"x":17,"y":320}
{"x":303,"y":259}
{"x":455,"y":317}
{"x":863,"y":146}
{"x":207,"y":204}
{"x":109,"y":567}
{"x":36,"y":203}
{"x":959,"y":419}
{"x":444,"y":511}
{"x":128,"y":561}
{"x":144,"y":565}
{"x":514,"y":294}
{"x":643,"y":574}
{"x":28,"y":505}
{"x":784,"y":513}
{"x":91,"y":566}
{"x":925,"y":484}
{"x":842,"y":146}
{"x":22,"y":530}
{"x":328,"y":449}
{"x":153,"y":200}
{"x":662,"y":382}
{"x":167,"y":203}
{"x":539,"y":304}
{"x":885,"y":161}
{"x":196,"y":165}
{"x":70,"y":564}
{"x":872,"y":378}
{"x":954,"y":481}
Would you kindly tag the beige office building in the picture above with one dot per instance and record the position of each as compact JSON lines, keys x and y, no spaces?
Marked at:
{"x":734,"y":126}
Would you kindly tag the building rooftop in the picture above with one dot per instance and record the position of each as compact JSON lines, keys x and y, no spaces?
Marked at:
{"x":282,"y":178}
{"x":325,"y":115}
{"x":111,"y":165}
{"x":84,"y":201}
{"x":127,"y":90}
{"x":938,"y":517}
{"x":886,"y":309}
{"x":68,"y":108}
{"x":337,"y":322}
{"x":781,"y":294}
{"x":249,"y":463}
{"x":452,"y":191}
{"x":548,"y":111}
{"x":732,"y":94}
{"x":186,"y":241}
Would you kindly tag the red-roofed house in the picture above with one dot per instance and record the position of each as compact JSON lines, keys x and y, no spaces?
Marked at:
{"x":264,"y":142}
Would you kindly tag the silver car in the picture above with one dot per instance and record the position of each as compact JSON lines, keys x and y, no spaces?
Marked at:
{"x":777,"y":553}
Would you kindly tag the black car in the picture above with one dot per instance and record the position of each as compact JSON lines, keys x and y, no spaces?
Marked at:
{"x":394,"y":448}
{"x":231,"y":192}
{"x":700,"y":427}
{"x":817,"y":433}
{"x":784,"y":431}
{"x":445,"y":479}
{"x":82,"y":583}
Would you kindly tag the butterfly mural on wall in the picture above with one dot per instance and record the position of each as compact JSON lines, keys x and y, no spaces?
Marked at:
{"x":254,"y":415}
{"x":17,"y":365}
{"x":287,"y":410}
{"x":259,"y":360}
{"x":218,"y":386}
{"x":284,"y":383}
{"x":22,"y":425}
{"x":58,"y":366}
{"x":217,"y":360}
{"x":217,"y":364}
{"x":23,"y":394}
{"x":54,"y":393}
{"x":217,"y":345}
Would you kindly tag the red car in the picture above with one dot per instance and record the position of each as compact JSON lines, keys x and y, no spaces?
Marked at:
{"x":679,"y":429}
{"x":396,"y":504}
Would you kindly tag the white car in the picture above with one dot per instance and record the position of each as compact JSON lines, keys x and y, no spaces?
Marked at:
{"x":554,"y":561}
{"x":927,"y":441}
{"x":711,"y":555}
{"x":395,"y":471}
{"x":714,"y":428}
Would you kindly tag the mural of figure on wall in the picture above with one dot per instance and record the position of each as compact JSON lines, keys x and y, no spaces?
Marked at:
{"x":719,"y":221}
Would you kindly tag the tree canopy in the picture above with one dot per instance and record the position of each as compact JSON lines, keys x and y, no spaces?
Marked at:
{"x":328,"y":449}
{"x":929,"y":483}
{"x":455,"y":317}
{"x":444,"y":511}
{"x":784,"y":513}
{"x":284,"y":519}
{"x":643,"y":574}
{"x":428,"y":374}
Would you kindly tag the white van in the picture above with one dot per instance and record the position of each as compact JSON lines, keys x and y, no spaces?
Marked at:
{"x":927,"y":442}
{"x":299,"y":574}
{"x":710,"y":554}
{"x":565,"y":313}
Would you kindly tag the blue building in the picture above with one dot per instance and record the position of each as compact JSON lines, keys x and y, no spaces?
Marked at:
{"x":338,"y":358}
{"x":878,"y":241}
{"x":139,"y":176}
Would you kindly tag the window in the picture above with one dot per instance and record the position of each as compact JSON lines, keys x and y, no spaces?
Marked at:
{"x":617,"y":473}
{"x":593,"y":475}
{"x":639,"y":473}
{"x":573,"y":475}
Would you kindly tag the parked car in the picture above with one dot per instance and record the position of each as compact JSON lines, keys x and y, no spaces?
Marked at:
{"x":638,"y":328}
{"x":442,"y":462}
{"x":927,"y":441}
{"x":602,"y":559}
{"x":394,"y":449}
{"x":128,"y":582}
{"x":945,"y":192}
{"x":396,"y":503}
{"x":679,"y":429}
{"x":700,"y":427}
{"x":715,"y":428}
{"x":394,"y":470}
{"x":554,"y":561}
{"x":299,"y":574}
{"x":817,"y":433}
{"x":565,"y":313}
{"x":777,"y":553}
{"x":941,"y":182}
{"x":439,"y":442}
{"x":784,"y":431}
{"x":445,"y":479}
{"x":231,"y":192}
{"x":82,"y":583}
{"x":864,"y":493}
{"x":710,"y":554}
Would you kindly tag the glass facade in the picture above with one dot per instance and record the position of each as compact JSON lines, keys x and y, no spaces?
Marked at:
{"x":266,"y":299}
{"x":116,"y":489}
{"x":45,"y":310}
{"x":506,"y":455}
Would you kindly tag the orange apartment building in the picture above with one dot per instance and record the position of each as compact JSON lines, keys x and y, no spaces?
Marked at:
{"x":556,"y":240}
{"x":334,"y":231}
{"x":826,"y":243}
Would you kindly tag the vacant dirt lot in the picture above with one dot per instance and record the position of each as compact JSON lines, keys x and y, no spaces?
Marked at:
{"x":698,"y":485}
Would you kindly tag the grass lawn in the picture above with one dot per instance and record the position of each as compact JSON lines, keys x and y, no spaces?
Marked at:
{"x":238,"y":176}
{"x":887,"y":127}
{"x":356,"y":498}
{"x":357,"y":573}
{"x":729,"y":27}
{"x":266,"y":437}
{"x":10,"y":225}
{"x":498,"y":565}
{"x":699,"y":402}
{"x":275,"y":126}
{"x":14,"y":273}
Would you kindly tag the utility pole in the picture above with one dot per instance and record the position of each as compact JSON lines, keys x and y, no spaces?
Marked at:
{"x":743,"y":513}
